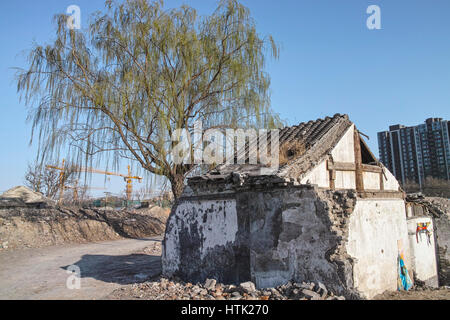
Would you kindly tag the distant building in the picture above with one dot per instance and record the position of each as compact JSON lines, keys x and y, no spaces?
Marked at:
{"x":417,"y":152}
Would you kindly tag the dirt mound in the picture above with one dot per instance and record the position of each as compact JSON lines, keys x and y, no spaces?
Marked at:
{"x":25,"y":227}
{"x":21,"y":196}
{"x":157,"y":212}
{"x":442,"y":293}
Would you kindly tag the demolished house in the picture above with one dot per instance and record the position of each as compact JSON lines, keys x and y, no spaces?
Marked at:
{"x":429,"y":226}
{"x":331,"y":213}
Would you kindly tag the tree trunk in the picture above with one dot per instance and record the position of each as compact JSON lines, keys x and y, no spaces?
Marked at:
{"x":177,"y":183}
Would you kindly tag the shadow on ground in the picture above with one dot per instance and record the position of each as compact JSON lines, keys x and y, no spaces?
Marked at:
{"x":127,"y":269}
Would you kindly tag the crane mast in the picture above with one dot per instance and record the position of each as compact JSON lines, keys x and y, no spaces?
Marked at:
{"x":127,"y":178}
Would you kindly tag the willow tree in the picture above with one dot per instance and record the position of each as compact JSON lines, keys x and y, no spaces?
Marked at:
{"x":119,"y":88}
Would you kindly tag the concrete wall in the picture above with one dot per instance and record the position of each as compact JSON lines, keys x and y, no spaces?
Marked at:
{"x":290,"y":236}
{"x":268,"y":236}
{"x":301,"y":233}
{"x":375,"y":227}
{"x":423,"y":253}
{"x":204,"y":234}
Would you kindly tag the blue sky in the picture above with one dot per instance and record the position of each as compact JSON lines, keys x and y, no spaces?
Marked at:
{"x":330,"y":63}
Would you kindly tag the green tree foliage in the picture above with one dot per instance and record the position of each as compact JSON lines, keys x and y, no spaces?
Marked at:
{"x":118,"y":89}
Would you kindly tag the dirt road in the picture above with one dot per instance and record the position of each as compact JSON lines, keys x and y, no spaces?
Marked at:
{"x":104,"y":267}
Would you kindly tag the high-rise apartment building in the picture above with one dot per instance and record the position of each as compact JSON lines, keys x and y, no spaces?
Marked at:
{"x":417,"y":152}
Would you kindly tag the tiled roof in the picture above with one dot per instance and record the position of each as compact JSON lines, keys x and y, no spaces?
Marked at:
{"x":310,"y":132}
{"x":318,"y":137}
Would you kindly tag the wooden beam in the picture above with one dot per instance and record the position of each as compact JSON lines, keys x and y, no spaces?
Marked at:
{"x":341,"y":166}
{"x":348,"y":166}
{"x":332,"y":179}
{"x":332,"y":174}
{"x":381,"y":194}
{"x":381,"y":181}
{"x":371,"y":168}
{"x":358,"y":162}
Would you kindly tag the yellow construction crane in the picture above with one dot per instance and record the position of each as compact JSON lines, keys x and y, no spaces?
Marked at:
{"x":75,"y":189}
{"x":128,"y":178}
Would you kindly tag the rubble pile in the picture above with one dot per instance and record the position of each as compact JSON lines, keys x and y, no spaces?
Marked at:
{"x":173,"y":289}
{"x":434,"y":206}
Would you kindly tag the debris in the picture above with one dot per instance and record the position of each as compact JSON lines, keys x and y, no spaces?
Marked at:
{"x":311,"y":294}
{"x":210,"y":284}
{"x":433,"y":206}
{"x":323,"y":288}
{"x":165,"y":289}
{"x":248,"y":286}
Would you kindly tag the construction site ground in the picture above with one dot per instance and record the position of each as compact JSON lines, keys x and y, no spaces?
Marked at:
{"x":41,"y":273}
{"x":109,"y":270}
{"x":442,"y":293}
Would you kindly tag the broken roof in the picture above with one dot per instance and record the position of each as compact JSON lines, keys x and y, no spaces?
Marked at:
{"x":318,"y":138}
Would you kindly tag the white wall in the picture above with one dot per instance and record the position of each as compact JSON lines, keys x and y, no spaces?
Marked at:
{"x":375,"y":227}
{"x":345,"y":180}
{"x":344,"y":151}
{"x":390,"y":182}
{"x":218,"y":222}
{"x":371,"y":180}
{"x":319,"y":176}
{"x":423,"y":254}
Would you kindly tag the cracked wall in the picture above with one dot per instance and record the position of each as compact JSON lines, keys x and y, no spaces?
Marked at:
{"x":203,"y":239}
{"x":273,"y":233}
{"x":269,"y":236}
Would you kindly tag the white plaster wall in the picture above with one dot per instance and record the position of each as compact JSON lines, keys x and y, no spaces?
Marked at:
{"x":344,"y":151}
{"x":423,"y":254}
{"x":345,"y":180}
{"x":171,"y":249}
{"x":218,"y":221}
{"x":390,"y":182}
{"x":319,"y":176}
{"x":375,"y":227}
{"x":371,"y":180}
